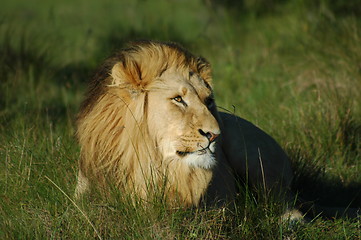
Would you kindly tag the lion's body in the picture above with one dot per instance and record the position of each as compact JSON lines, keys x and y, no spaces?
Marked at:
{"x":149,"y":121}
{"x":251,"y":156}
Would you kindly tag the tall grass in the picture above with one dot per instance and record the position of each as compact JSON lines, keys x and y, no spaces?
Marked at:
{"x":291,"y":67}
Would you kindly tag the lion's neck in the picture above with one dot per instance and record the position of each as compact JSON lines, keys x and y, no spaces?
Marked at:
{"x":180,"y":183}
{"x":187,"y":184}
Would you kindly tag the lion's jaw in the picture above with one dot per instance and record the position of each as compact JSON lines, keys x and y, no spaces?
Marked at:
{"x":186,"y":129}
{"x":205,"y":159}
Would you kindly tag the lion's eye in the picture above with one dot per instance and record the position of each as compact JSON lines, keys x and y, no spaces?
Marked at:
{"x":179,"y":99}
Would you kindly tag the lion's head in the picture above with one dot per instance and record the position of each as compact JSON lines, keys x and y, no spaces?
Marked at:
{"x":150,"y":115}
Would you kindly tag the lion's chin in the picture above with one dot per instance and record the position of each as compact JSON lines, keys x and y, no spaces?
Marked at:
{"x":205,"y":159}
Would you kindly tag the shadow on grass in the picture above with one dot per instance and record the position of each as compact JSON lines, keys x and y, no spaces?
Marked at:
{"x":21,"y":57}
{"x":313,"y":184}
{"x":312,"y":181}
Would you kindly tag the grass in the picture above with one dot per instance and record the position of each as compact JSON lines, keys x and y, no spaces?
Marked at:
{"x":291,"y":67}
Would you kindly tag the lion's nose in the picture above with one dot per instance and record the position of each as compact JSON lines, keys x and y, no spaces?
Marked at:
{"x":209,"y":135}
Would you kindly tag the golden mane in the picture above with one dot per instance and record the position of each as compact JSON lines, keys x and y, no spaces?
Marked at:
{"x":112,"y":123}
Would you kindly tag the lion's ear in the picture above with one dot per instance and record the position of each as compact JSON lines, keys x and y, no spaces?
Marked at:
{"x":204,"y":69}
{"x":128,"y":74}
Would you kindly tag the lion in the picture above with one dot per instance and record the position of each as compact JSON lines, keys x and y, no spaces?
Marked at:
{"x":149,"y":121}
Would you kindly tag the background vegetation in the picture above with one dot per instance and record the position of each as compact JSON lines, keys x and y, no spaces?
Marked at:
{"x":292,"y":67}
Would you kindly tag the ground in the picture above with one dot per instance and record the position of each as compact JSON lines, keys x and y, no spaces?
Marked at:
{"x":291,"y":67}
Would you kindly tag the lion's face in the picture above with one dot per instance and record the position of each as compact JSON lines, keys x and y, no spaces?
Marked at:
{"x":180,"y":118}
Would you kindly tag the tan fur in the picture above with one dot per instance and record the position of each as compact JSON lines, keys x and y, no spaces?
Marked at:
{"x":136,"y":134}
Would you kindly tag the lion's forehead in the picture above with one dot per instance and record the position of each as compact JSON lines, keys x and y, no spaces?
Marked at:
{"x":175,"y":80}
{"x":192,"y":88}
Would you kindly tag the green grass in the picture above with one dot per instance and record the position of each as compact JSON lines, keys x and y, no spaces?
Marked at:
{"x":291,"y":67}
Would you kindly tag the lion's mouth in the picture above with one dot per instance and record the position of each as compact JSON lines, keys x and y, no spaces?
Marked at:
{"x":209,"y":149}
{"x":182,"y":154}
